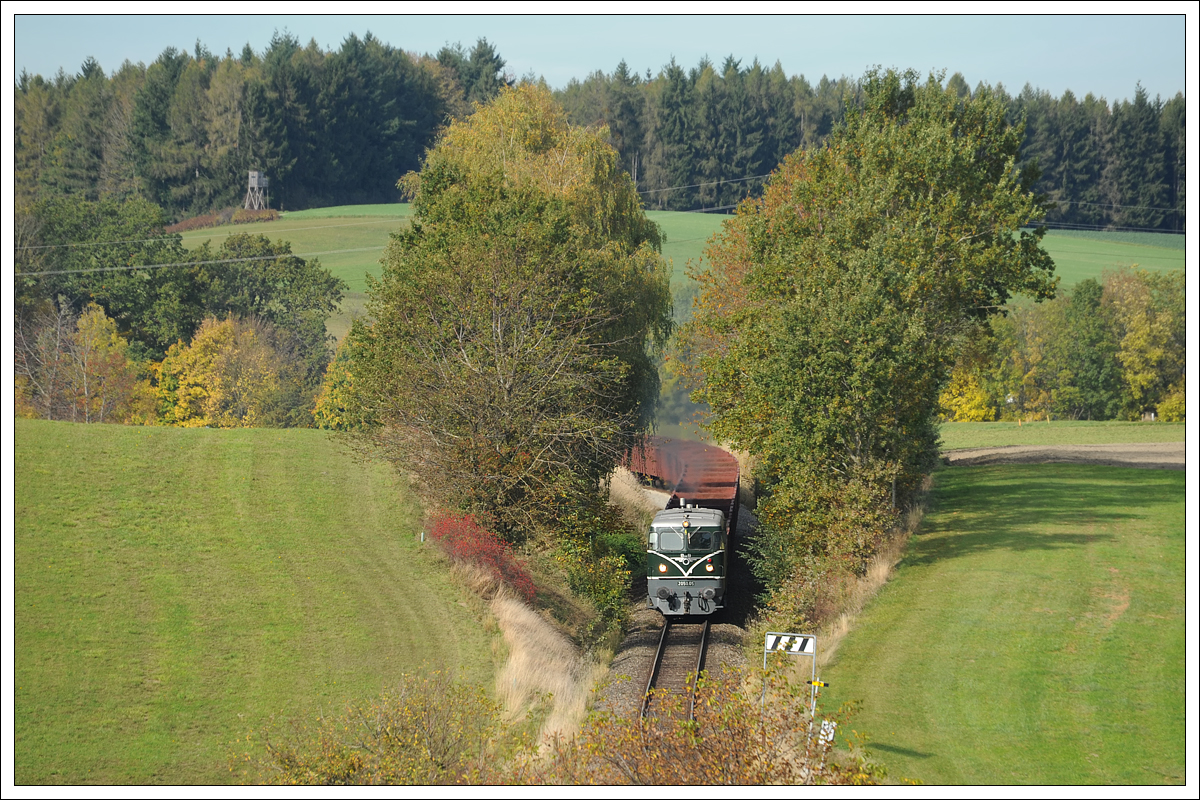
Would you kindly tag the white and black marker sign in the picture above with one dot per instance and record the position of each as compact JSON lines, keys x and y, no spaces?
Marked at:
{"x":793,"y":643}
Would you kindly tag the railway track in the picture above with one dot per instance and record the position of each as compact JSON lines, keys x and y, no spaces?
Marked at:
{"x":677,"y":662}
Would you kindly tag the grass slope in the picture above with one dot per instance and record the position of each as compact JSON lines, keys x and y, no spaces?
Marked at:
{"x":349,"y":245}
{"x":1078,"y":255}
{"x":1033,"y":634}
{"x":1077,"y":258}
{"x":351,"y":240}
{"x":174,"y":588}
{"x":960,"y":435}
{"x":687,"y":236}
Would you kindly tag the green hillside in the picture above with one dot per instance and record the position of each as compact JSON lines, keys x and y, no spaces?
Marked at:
{"x":175,"y":588}
{"x":349,"y":241}
{"x":1033,"y":633}
{"x":1079,"y":255}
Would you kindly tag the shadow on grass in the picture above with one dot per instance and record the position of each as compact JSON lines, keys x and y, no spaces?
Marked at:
{"x":900,"y":751}
{"x":1034,"y":507}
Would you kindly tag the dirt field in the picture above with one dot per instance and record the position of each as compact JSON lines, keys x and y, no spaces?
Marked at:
{"x":1161,"y":455}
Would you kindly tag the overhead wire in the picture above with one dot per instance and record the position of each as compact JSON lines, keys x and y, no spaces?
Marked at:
{"x":1113,"y":205}
{"x":208,"y":262}
{"x":642,"y":192}
{"x":1099,"y":228}
{"x":709,"y":183}
{"x":171,"y":236}
{"x":201,"y":263}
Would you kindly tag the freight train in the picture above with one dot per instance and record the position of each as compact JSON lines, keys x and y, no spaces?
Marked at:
{"x":687,"y":553}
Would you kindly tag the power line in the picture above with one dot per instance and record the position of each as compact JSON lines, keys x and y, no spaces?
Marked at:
{"x":710,"y":183}
{"x":201,"y":263}
{"x":1110,"y":255}
{"x":352,"y":224}
{"x":1079,"y":226}
{"x":201,"y":235}
{"x":1113,"y":205}
{"x":694,"y":210}
{"x":1100,"y":228}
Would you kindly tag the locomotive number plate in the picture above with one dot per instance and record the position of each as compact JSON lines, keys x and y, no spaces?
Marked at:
{"x":687,"y":583}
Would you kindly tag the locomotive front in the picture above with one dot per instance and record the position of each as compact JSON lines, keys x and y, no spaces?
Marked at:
{"x":685,"y":561}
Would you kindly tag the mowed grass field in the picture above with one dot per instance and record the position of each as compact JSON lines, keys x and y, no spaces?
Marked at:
{"x":176,"y":588}
{"x":1078,"y":255}
{"x":349,"y":241}
{"x":1033,"y":633}
{"x":963,"y":435}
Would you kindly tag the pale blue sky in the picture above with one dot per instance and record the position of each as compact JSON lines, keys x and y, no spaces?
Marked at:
{"x":1105,"y":55}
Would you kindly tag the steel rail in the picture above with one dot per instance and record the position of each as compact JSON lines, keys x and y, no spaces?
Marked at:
{"x":658,"y":654}
{"x":696,"y":673}
{"x":659,"y":658}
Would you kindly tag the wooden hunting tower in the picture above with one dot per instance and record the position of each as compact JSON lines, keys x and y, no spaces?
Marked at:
{"x":256,"y":194}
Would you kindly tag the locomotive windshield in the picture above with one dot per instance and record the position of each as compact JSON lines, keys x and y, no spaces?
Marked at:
{"x":675,"y":539}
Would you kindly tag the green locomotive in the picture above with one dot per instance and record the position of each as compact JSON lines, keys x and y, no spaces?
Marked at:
{"x":686,"y":560}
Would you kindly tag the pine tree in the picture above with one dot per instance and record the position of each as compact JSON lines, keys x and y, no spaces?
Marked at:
{"x":1139,"y":163}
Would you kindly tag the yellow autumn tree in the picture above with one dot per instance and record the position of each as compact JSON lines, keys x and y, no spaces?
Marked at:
{"x":76,"y":368}
{"x":1149,"y":311}
{"x":964,"y":400}
{"x":228,"y":377}
{"x":336,"y":408}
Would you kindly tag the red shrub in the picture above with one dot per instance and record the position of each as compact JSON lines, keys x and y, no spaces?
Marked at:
{"x":223,"y":217}
{"x":195,"y":223}
{"x":465,"y":540}
{"x":263,"y":215}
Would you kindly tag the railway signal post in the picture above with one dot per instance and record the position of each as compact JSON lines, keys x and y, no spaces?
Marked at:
{"x":793,"y":644}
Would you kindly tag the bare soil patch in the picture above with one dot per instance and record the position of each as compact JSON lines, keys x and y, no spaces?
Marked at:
{"x":1157,"y":455}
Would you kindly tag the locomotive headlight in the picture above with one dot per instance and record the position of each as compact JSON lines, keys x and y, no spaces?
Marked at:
{"x":662,"y":567}
{"x":708,"y":566}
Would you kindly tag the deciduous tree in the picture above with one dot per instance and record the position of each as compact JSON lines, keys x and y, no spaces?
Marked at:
{"x":229,"y":376}
{"x":75,"y":367}
{"x":831,"y":308}
{"x":510,"y":358}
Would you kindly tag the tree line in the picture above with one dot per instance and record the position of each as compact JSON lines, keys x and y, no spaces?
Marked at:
{"x":1107,"y":349}
{"x":117,"y":322}
{"x":342,"y":126}
{"x":1102,"y":164}
{"x":327,"y":127}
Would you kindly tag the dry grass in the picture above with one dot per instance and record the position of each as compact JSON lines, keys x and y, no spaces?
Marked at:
{"x":879,"y":570}
{"x":747,"y":485}
{"x":637,"y":502}
{"x":543,"y":672}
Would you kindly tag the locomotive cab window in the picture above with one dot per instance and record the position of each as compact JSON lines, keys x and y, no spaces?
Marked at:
{"x":677,"y":539}
{"x":671,"y":540}
{"x":703,"y":539}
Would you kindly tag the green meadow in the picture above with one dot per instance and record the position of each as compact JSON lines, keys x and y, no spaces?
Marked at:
{"x":1079,"y":255}
{"x":349,"y":241}
{"x":1032,"y":634}
{"x":174,"y":589}
{"x":963,"y":435}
